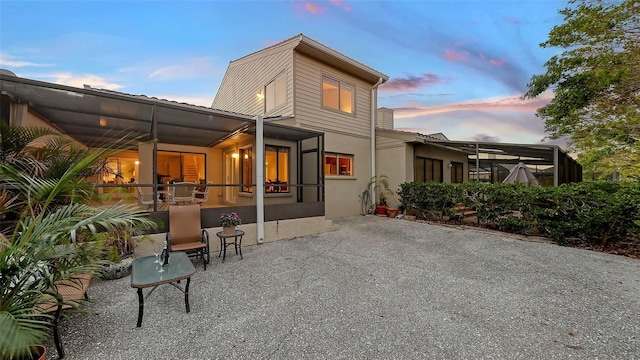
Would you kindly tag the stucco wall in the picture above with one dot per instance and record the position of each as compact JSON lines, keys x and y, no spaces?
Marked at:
{"x":342,"y":192}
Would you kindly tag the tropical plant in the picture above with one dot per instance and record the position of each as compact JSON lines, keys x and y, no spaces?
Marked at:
{"x":52,"y":238}
{"x":380,"y":186}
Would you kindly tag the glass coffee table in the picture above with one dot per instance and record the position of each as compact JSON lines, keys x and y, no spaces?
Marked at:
{"x":145,"y":273}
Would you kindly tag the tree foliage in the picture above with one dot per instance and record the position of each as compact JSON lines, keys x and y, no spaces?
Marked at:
{"x":596,"y":84}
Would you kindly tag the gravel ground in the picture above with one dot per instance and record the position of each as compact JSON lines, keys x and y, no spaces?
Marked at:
{"x":377,"y":288}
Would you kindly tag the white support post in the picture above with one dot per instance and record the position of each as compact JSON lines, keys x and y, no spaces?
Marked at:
{"x":260,"y":179}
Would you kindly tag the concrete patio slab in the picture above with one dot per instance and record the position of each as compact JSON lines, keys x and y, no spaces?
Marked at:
{"x":378,"y":288}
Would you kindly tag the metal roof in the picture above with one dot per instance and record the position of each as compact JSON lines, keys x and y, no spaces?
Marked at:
{"x":97,"y":117}
{"x":532,"y":153}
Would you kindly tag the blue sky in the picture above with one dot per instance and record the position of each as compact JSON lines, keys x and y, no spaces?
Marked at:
{"x":456,"y":67}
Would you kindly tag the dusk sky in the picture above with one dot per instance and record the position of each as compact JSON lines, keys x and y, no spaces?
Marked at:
{"x":456,"y":67}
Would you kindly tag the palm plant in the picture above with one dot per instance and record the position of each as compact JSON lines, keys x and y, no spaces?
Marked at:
{"x":53,"y":239}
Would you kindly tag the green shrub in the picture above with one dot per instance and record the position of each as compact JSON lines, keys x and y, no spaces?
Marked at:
{"x":597,"y":211}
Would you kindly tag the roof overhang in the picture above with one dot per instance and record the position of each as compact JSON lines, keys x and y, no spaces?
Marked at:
{"x":505,"y":152}
{"x":332,"y":57}
{"x":97,"y":117}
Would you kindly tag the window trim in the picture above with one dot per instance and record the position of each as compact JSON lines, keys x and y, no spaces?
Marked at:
{"x":340,"y":84}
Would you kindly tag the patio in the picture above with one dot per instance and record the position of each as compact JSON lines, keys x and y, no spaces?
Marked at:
{"x":378,"y":288}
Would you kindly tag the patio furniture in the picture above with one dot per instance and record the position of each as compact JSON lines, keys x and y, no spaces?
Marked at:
{"x":68,"y":294}
{"x":237,"y":244}
{"x":185,"y":232}
{"x":182,"y":192}
{"x":145,"y":198}
{"x":145,"y":273}
{"x":201,"y":194}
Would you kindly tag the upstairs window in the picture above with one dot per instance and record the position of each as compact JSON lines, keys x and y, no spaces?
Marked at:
{"x":338,"y":95}
{"x":338,"y":164}
{"x":275,"y":93}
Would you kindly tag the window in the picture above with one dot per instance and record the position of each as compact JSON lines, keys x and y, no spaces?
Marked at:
{"x":275,"y":93}
{"x":428,"y":169}
{"x":179,"y":166}
{"x":457,"y":170}
{"x":338,"y":164}
{"x":338,"y":95}
{"x":276,"y":169}
{"x":246,"y":169}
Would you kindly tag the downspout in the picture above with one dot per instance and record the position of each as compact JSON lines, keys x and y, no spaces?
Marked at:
{"x":260,"y":179}
{"x":374,"y":104}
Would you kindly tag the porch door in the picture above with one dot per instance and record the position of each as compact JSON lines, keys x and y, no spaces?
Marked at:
{"x":230,"y":177}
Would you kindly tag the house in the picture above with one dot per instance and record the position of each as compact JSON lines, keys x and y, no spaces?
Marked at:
{"x":409,"y":156}
{"x":191,"y":143}
{"x":323,"y":140}
{"x":302,"y":83}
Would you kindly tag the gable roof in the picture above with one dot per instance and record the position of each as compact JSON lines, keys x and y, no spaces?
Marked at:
{"x":321,"y":52}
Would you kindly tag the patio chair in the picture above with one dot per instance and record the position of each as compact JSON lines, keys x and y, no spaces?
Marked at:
{"x":182,"y":192}
{"x":145,"y":198}
{"x":186,"y":233}
{"x":67,"y":294}
{"x":201,"y":194}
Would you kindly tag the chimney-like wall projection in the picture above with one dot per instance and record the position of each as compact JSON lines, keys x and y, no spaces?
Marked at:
{"x":384,"y":118}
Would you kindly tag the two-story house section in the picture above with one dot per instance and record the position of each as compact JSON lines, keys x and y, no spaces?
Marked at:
{"x":303,"y":83}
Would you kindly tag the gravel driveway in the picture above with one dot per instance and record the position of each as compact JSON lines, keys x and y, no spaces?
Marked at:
{"x":378,"y":288}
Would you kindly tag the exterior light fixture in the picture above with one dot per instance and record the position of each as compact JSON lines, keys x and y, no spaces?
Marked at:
{"x":449,"y":165}
{"x":234,"y":155}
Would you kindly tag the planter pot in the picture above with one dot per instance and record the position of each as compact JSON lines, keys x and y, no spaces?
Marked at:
{"x":229,"y":229}
{"x":392,"y":212}
{"x":113,"y":271}
{"x":381,"y":210}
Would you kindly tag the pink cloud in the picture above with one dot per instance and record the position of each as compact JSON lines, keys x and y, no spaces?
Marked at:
{"x":512,"y":103}
{"x":410,"y":82}
{"x":341,"y":4}
{"x":314,"y":9}
{"x":496,"y":62}
{"x":452,"y":55}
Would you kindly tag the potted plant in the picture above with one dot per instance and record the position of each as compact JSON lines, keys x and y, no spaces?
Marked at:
{"x":229,"y":222}
{"x":50,"y":236}
{"x":380,"y":186}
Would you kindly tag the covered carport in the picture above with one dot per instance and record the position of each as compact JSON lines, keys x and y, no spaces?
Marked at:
{"x":487,"y":160}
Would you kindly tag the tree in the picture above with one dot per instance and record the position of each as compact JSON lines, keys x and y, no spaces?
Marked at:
{"x":596,"y":85}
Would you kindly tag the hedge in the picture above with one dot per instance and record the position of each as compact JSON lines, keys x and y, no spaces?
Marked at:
{"x":597,"y":211}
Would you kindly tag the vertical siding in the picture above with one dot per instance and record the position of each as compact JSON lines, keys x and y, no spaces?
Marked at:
{"x":244,"y":79}
{"x":384,"y":118}
{"x":309,"y":110}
